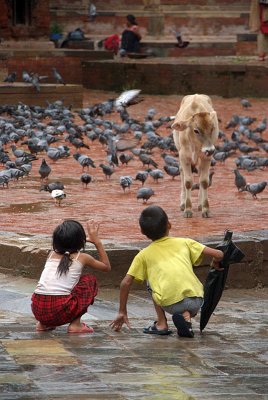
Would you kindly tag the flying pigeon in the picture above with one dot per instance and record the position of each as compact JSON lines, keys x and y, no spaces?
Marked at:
{"x":128,"y":98}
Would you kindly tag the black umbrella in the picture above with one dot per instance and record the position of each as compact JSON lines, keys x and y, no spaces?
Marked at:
{"x":215,"y":281}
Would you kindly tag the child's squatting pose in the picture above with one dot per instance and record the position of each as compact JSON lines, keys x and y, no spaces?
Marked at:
{"x":167,"y":266}
{"x":62,"y":295}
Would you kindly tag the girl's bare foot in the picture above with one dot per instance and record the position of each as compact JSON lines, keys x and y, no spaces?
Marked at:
{"x":40,"y":327}
{"x":82,"y":328}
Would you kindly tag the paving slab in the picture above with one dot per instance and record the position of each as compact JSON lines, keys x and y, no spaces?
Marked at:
{"x":229,"y":361}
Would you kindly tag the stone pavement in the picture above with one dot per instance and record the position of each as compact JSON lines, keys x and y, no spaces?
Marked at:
{"x":229,"y":361}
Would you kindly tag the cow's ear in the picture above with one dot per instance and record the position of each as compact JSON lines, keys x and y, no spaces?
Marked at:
{"x":213,"y":115}
{"x":179,"y":125}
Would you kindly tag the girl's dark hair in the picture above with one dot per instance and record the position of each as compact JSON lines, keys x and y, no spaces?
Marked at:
{"x":154,"y":222}
{"x":68,"y":237}
{"x":132,"y":19}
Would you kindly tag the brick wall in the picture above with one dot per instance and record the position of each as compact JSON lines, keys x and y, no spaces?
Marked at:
{"x":160,"y":77}
{"x":68,"y":67}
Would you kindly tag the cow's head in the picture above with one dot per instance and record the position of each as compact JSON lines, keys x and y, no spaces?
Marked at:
{"x":203,"y":126}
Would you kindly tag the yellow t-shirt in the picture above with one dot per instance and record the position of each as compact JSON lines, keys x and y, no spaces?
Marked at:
{"x":167,"y":264}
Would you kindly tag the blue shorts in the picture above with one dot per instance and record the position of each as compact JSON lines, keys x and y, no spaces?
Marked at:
{"x":191,"y":304}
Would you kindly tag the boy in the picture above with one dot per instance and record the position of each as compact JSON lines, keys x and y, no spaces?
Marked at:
{"x":167,"y":265}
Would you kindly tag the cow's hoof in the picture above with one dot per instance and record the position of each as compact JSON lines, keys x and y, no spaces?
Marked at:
{"x":188,"y":214}
{"x":199,"y":207}
{"x":182,"y":207}
{"x":205,"y":214}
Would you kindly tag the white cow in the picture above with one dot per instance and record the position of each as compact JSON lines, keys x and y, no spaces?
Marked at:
{"x":195,"y":133}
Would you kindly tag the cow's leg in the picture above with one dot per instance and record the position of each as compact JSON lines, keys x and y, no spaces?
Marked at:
{"x":203,"y":204}
{"x":187,"y":182}
{"x":182,"y":203}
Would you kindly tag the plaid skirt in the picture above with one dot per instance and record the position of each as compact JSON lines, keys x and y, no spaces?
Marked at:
{"x":53,"y":310}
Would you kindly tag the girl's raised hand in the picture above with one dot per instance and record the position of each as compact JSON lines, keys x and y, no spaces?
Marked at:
{"x":93,"y":231}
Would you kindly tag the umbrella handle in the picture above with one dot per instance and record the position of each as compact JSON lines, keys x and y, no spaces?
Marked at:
{"x":227,"y":235}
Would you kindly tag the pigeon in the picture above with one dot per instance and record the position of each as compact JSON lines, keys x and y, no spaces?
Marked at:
{"x":180,"y":43}
{"x":85,"y":179}
{"x":156,"y":174}
{"x":128,"y":98}
{"x":248,"y":164}
{"x":172,"y":170}
{"x":125,"y":182}
{"x":255,"y":188}
{"x":11,"y":77}
{"x":4,"y":181}
{"x":240,"y":181}
{"x":245,"y":103}
{"x":221,"y":156}
{"x":78,"y":143}
{"x":262,"y":126}
{"x":49,"y":187}
{"x":84,"y":161}
{"x":57,"y":76}
{"x":53,"y":153}
{"x":44,"y":170}
{"x":58,"y":195}
{"x":145,"y":193}
{"x":233,"y":122}
{"x":107,"y":170}
{"x":244,"y":148}
{"x":147,"y":160}
{"x":125,"y":158}
{"x":142,"y":176}
{"x":170,"y":160}
{"x":26,"y":77}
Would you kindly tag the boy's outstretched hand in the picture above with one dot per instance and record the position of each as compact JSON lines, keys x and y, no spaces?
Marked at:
{"x":118,"y":322}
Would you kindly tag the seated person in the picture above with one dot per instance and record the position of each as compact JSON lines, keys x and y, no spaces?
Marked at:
{"x":131,"y":37}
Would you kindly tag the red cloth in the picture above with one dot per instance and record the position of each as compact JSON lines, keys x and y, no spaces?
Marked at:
{"x":264,"y":24}
{"x":112,"y":43}
{"x":59,"y":310}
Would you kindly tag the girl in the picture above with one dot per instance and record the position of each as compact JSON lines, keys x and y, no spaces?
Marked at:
{"x":62,"y":295}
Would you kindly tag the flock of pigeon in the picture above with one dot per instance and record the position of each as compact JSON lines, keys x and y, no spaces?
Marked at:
{"x":44,"y":135}
{"x":34,"y":79}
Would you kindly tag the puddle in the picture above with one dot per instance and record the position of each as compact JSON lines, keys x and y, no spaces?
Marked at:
{"x":24,"y":208}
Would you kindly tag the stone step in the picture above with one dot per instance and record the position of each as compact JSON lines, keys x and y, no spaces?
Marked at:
{"x":27,"y":44}
{"x":27,"y":94}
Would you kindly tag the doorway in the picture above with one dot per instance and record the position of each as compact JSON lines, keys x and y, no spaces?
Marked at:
{"x":22,"y":12}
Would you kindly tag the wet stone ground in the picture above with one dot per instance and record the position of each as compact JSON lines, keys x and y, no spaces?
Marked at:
{"x":229,"y":361}
{"x":24,"y":209}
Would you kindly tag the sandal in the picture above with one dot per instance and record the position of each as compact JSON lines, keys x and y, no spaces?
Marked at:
{"x":184,"y":327}
{"x":152,"y":329}
{"x":84,"y":329}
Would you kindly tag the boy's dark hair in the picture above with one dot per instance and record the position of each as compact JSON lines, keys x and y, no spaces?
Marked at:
{"x":154,"y":222}
{"x":68,"y":237}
